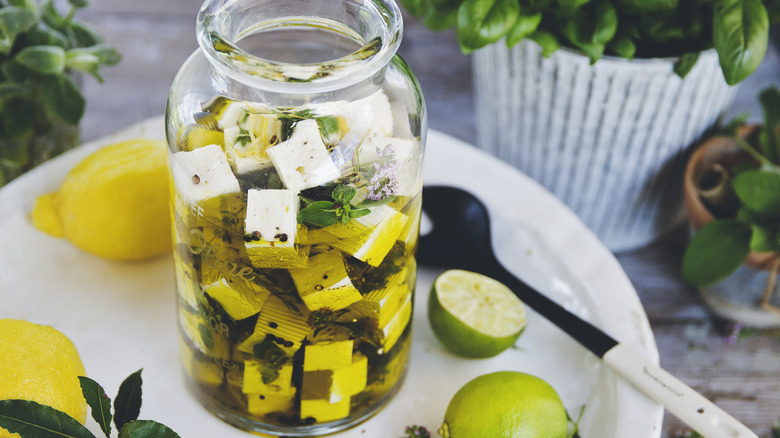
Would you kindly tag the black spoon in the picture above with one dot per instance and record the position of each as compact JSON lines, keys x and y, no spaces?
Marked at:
{"x":460,"y":238}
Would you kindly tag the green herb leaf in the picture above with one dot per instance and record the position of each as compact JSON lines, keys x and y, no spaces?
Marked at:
{"x":740,"y":35}
{"x":31,"y":419}
{"x":318,"y":214}
{"x":483,"y":22}
{"x":43,"y":59}
{"x":99,"y":403}
{"x":127,"y":404}
{"x":51,"y":16}
{"x":685,"y":63}
{"x":343,"y":194}
{"x":84,"y":34}
{"x":368,"y":203}
{"x":769,"y":138}
{"x":18,"y":119}
{"x":79,"y":3}
{"x":269,"y":374}
{"x":623,"y":46}
{"x":42,"y":36}
{"x":24,"y":4}
{"x":716,"y":251}
{"x":417,"y":8}
{"x":569,"y":6}
{"x":90,"y":59}
{"x":525,"y":25}
{"x":438,"y":21}
{"x":13,"y":21}
{"x":64,"y":97}
{"x":146,"y":429}
{"x":759,"y":191}
{"x":548,"y":42}
{"x":354,"y":214}
{"x":650,"y":5}
{"x":765,"y":238}
{"x":606,"y":23}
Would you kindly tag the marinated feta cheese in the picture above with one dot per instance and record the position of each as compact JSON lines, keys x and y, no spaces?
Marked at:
{"x":384,"y":303}
{"x":395,"y":327}
{"x":323,"y":410}
{"x":277,"y":382}
{"x":369,"y":238}
{"x":324,"y":283}
{"x":203,"y":174}
{"x":271,"y":226}
{"x":285,"y":327}
{"x":238,"y":305}
{"x":262,"y":404}
{"x":328,"y":355}
{"x":303,"y":160}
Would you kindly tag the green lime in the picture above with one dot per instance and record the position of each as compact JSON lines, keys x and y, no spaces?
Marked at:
{"x":505,"y":404}
{"x":474,"y":315}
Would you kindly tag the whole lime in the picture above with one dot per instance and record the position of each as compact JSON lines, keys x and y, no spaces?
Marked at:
{"x":505,"y":404}
{"x":473,"y":315}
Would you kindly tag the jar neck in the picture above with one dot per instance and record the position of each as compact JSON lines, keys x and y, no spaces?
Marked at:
{"x":373,"y":27}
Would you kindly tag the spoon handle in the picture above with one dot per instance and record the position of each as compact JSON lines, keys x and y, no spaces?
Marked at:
{"x":681,"y":400}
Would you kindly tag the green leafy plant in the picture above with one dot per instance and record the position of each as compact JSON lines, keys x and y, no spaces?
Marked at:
{"x":324,"y":213}
{"x":753,"y":223}
{"x":737,"y":29}
{"x":34,"y":420}
{"x":40,"y":49}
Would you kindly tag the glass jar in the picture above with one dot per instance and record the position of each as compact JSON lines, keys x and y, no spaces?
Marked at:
{"x":296,"y":138}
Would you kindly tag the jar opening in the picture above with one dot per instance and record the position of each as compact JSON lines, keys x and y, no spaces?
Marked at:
{"x":299,"y":45}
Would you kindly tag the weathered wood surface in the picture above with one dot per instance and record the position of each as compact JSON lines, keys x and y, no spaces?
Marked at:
{"x":155,"y":37}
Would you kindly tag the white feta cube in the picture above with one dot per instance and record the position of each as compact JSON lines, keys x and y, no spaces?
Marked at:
{"x":271,"y":216}
{"x":203,"y":173}
{"x":303,"y":160}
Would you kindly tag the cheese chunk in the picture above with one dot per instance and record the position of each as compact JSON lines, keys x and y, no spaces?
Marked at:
{"x":322,"y":410}
{"x":397,"y":324}
{"x":264,"y":404}
{"x":237,"y":305}
{"x":336,"y":384}
{"x":325,"y":283}
{"x":202,"y":174}
{"x":287,"y":326}
{"x":271,"y":226}
{"x":328,"y":355}
{"x":369,"y":238}
{"x":303,"y":160}
{"x":253,"y":380}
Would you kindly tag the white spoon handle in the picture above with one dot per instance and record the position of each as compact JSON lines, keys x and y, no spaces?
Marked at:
{"x":678,"y":398}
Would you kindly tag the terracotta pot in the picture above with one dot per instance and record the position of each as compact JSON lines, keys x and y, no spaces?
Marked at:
{"x":726,"y":152}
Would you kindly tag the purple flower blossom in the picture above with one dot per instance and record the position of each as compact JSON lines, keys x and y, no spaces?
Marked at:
{"x":383,"y":182}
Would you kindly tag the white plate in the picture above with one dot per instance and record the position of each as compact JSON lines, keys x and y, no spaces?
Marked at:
{"x":122,"y":316}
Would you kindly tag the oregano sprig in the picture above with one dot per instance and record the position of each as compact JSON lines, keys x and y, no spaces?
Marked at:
{"x":340,"y":210}
{"x":30,"y":419}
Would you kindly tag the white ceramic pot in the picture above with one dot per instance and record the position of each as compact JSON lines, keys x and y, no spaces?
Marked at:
{"x":608,"y":139}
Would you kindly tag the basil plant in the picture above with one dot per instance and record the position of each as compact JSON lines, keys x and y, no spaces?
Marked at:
{"x":753,"y":224}
{"x":737,"y":29}
{"x":40,"y":50}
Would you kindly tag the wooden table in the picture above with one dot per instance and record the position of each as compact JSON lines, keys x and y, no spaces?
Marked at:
{"x":155,"y":37}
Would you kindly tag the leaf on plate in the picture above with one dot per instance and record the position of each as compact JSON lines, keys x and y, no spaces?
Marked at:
{"x":34,"y":420}
{"x":717,"y":250}
{"x":127,"y":404}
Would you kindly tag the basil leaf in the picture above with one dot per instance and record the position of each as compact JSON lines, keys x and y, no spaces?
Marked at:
{"x":79,"y":3}
{"x":548,"y":42}
{"x":13,"y":21}
{"x":354,"y":214}
{"x":24,"y":4}
{"x":769,"y":138}
{"x":147,"y":429}
{"x":31,"y":419}
{"x":685,"y":63}
{"x":417,"y":8}
{"x":64,"y":97}
{"x":606,"y":23}
{"x":14,"y":72}
{"x":437,"y":20}
{"x":446,"y":5}
{"x":50,"y":15}
{"x":99,"y":403}
{"x":579,"y":29}
{"x":650,"y":5}
{"x":716,"y":251}
{"x":483,"y":22}
{"x":90,"y":59}
{"x":623,"y":46}
{"x":759,"y":191}
{"x":765,"y":238}
{"x":127,"y":404}
{"x":740,"y":36}
{"x":525,"y":25}
{"x":18,"y":120}
{"x":571,"y":5}
{"x":44,"y":37}
{"x":84,"y":34}
{"x":42,"y":59}
{"x":318,"y":214}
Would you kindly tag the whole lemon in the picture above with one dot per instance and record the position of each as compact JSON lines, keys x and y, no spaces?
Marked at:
{"x":505,"y":404}
{"x":40,"y":364}
{"x":114,"y":203}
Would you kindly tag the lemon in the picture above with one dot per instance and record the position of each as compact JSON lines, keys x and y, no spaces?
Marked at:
{"x":473,"y":315}
{"x":40,"y":364}
{"x":505,"y":404}
{"x":114,"y":203}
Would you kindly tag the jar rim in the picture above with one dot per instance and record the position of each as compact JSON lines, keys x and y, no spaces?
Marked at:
{"x":218,"y":42}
